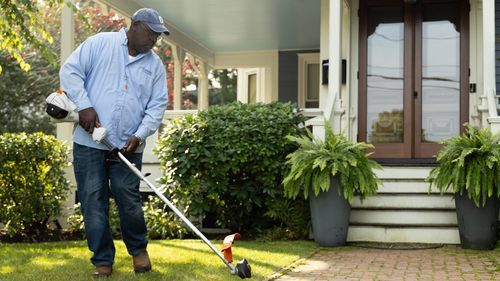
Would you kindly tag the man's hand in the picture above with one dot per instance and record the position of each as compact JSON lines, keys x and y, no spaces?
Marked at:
{"x":88,"y":119}
{"x":131,"y":145}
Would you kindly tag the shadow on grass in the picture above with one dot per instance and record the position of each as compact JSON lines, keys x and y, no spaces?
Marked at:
{"x":172,"y":260}
{"x":246,"y":249}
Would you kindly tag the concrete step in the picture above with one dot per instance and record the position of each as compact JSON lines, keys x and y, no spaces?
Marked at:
{"x":404,"y":210}
{"x":403,"y":217}
{"x":406,"y":173}
{"x":405,"y":201}
{"x":406,"y":186}
{"x":385,"y":234}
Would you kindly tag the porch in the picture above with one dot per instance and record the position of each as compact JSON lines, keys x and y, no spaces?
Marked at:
{"x":315,"y":53}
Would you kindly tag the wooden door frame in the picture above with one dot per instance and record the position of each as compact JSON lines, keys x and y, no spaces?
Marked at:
{"x":412,"y":145}
{"x":384,"y":150}
{"x":430,"y":150}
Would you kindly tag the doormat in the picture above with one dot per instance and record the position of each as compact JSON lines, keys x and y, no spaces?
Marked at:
{"x":396,"y":246}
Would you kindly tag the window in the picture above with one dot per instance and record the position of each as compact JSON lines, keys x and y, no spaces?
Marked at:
{"x":250,"y":85}
{"x":308,"y":80}
{"x":252,"y":88}
{"x":222,"y":86}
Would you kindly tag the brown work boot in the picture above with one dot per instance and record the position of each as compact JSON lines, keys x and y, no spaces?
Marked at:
{"x":142,"y":263}
{"x":102,"y":271}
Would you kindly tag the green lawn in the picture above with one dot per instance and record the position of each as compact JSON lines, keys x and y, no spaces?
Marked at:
{"x":172,"y":260}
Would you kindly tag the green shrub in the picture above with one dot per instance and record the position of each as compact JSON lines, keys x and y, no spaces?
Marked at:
{"x":160,"y":223}
{"x":229,"y":161}
{"x":32,"y":182}
{"x":293,"y":217}
{"x":75,"y":220}
{"x":76,"y":224}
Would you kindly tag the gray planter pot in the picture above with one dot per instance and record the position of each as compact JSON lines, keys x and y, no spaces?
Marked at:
{"x":477,"y":226}
{"x":330,"y":216}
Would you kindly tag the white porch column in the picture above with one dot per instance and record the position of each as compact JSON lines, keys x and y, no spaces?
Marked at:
{"x":64,"y":131}
{"x":331,"y":49}
{"x":489,"y":55}
{"x":179,"y":54}
{"x":202,"y":85}
{"x":334,"y":59}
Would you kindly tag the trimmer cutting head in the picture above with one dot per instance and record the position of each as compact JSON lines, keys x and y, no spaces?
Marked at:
{"x":243,"y":269}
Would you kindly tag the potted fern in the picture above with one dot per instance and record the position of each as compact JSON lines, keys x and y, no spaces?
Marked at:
{"x":334,"y":171}
{"x":469,"y":167}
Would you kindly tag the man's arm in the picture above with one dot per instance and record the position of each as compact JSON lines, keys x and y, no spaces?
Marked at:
{"x":72,"y":75}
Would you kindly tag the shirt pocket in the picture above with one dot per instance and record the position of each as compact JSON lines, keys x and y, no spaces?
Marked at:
{"x":144,"y":84}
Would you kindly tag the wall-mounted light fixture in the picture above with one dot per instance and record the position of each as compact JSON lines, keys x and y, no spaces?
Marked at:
{"x":325,"y":65}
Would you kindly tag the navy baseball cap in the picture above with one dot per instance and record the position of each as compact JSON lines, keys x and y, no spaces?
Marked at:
{"x":152,"y":19}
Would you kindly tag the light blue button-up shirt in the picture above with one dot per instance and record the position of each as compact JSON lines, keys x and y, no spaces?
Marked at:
{"x":129,"y":94}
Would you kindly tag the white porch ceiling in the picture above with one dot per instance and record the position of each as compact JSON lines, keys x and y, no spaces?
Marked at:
{"x":241,"y":25}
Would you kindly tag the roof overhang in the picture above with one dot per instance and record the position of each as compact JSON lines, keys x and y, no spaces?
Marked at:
{"x":206,"y":28}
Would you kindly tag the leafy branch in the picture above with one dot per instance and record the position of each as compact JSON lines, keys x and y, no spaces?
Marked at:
{"x":20,"y":26}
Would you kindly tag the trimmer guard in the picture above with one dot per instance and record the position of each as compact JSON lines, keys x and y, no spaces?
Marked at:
{"x":226,"y":246}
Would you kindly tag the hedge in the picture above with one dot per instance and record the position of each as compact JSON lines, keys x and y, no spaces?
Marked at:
{"x":32,"y":182}
{"x":226,"y":163}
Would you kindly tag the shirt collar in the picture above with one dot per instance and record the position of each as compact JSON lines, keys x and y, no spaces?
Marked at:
{"x":123,"y":35}
{"x":124,"y":40}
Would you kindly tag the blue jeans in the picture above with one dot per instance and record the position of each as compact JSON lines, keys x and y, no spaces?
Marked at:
{"x":96,"y":182}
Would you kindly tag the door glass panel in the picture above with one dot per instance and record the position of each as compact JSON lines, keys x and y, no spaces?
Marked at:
{"x":440,"y":72}
{"x":252,"y":88}
{"x":312,"y":98}
{"x":385,"y":71}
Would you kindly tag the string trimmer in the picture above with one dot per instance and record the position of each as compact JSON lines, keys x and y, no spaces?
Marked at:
{"x":62,"y":109}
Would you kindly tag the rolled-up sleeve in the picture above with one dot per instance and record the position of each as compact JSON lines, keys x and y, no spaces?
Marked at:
{"x":73,"y":74}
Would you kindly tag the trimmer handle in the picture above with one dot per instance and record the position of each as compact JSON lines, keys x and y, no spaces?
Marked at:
{"x":99,"y":136}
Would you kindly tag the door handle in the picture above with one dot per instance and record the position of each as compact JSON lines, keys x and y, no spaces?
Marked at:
{"x":415,"y":94}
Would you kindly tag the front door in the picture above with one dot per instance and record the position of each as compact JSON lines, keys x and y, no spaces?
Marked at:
{"x":413,"y":75}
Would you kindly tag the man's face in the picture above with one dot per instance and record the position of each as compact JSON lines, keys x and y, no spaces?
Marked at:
{"x":144,"y":38}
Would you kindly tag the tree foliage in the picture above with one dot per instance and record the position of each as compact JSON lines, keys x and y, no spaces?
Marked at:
{"x":20,"y":26}
{"x":225,"y":90}
{"x":22,"y":93}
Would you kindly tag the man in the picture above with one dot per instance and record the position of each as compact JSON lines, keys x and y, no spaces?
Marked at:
{"x":116,"y":82}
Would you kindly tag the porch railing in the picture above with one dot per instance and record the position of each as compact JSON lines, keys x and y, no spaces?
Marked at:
{"x":488,"y":106}
{"x":172,"y":114}
{"x":489,"y":109}
{"x":492,"y":103}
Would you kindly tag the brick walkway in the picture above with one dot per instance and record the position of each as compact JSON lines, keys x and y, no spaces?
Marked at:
{"x":356,"y":263}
